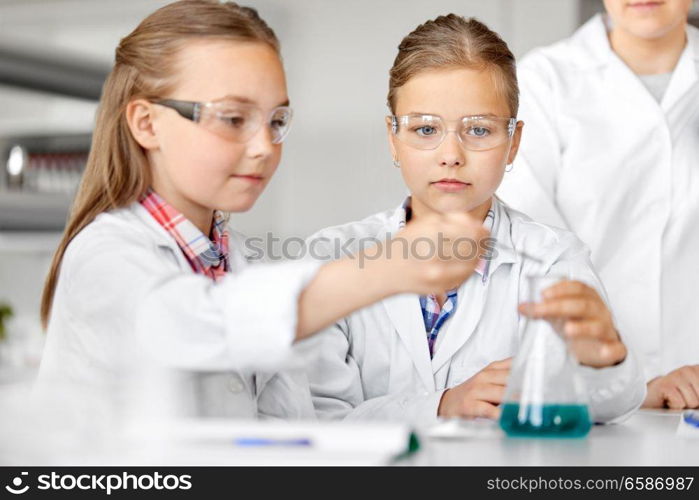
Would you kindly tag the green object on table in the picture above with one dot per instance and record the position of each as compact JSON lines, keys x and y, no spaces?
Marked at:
{"x":412,"y":448}
{"x":548,"y":420}
{"x":5,"y":314}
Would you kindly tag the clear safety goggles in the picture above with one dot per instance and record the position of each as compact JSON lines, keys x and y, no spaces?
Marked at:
{"x":476,"y":133}
{"x":233,"y":120}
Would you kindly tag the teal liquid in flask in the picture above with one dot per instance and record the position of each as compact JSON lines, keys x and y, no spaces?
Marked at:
{"x":547,"y":420}
{"x":545,"y":396}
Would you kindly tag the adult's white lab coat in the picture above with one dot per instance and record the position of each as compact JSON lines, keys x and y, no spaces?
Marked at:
{"x":375,"y":363}
{"x":601,"y":157}
{"x":133,"y":327}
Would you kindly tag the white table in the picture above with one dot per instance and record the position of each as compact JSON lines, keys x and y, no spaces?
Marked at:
{"x":647,"y":438}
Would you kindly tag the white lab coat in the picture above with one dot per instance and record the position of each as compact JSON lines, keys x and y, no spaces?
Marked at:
{"x":375,"y":363}
{"x":129,"y":314}
{"x":601,"y":157}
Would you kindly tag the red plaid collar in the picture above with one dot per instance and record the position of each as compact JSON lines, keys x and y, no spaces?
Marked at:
{"x":206,"y":255}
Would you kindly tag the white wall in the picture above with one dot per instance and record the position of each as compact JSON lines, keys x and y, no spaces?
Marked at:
{"x":336,"y":165}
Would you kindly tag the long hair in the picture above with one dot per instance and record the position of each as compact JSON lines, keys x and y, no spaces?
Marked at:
{"x":117,"y":171}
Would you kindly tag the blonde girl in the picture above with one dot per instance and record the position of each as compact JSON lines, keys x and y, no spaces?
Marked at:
{"x":452,"y":131}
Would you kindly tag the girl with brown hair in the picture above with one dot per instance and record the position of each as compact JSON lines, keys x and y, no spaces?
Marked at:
{"x":452,"y":131}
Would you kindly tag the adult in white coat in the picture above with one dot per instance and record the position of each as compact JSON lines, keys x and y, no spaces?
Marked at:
{"x":611,"y":153}
{"x":385,"y":361}
{"x":146,"y":278}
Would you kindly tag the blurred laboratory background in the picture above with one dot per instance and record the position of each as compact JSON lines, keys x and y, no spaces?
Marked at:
{"x":54,"y":55}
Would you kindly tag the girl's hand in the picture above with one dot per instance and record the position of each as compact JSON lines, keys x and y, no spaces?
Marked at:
{"x":432,"y":254}
{"x":678,"y":389}
{"x":436,"y":252}
{"x":578,"y":313}
{"x":480,"y":395}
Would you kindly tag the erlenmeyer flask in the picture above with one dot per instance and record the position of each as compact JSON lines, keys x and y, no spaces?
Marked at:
{"x":545,"y":396}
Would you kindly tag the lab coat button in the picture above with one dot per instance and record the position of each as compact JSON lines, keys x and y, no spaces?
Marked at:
{"x":235,"y":385}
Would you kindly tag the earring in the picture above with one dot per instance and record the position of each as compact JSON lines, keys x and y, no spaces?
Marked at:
{"x":509,"y":167}
{"x":396,"y":163}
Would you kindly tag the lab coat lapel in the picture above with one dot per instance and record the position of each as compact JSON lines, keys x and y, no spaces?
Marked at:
{"x":239,"y":255}
{"x":623,"y":84}
{"x":162,"y":239}
{"x":685,"y":75}
{"x":622,"y":79}
{"x":626,"y":87}
{"x":460,"y":327}
{"x":472,"y":294}
{"x":404,"y":313}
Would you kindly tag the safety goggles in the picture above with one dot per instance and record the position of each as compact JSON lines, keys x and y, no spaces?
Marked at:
{"x":233,"y":120}
{"x":476,"y":133}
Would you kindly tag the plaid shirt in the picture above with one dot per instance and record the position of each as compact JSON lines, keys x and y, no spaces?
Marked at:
{"x":433,"y":315}
{"x":206,"y":255}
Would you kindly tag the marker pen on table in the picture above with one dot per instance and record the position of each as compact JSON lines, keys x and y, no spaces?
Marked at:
{"x":252,"y":442}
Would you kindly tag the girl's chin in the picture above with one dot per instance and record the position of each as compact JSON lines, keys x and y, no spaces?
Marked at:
{"x":239,"y":203}
{"x":452,"y":204}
